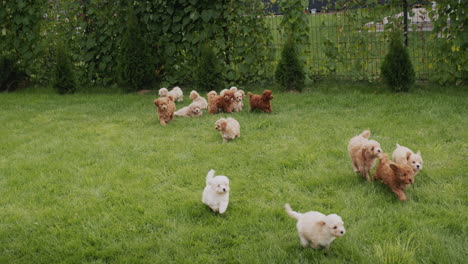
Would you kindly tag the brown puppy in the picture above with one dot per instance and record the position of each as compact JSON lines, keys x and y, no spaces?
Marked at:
{"x":261,"y":102}
{"x":363,"y":153}
{"x":166,"y":108}
{"x":222,"y":102}
{"x":396,"y":176}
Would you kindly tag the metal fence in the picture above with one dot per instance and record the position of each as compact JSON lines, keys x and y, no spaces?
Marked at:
{"x":351,"y":43}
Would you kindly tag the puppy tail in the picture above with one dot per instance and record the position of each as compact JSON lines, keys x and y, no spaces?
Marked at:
{"x":292,"y":213}
{"x":250,"y":94}
{"x":397,"y":145}
{"x":209,"y":176}
{"x":365,"y":134}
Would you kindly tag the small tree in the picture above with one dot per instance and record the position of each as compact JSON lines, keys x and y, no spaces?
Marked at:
{"x":397,"y":69}
{"x":135,"y":70}
{"x":209,"y":72}
{"x":64,"y":79}
{"x":289,"y":72}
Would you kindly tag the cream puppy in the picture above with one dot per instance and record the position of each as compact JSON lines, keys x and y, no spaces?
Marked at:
{"x":238,"y":103}
{"x":318,"y":229}
{"x":404,"y":155}
{"x":189,"y":111}
{"x":228,"y":127}
{"x":176,"y":92}
{"x":216,"y":193}
{"x":363,"y":153}
{"x":197,"y":99}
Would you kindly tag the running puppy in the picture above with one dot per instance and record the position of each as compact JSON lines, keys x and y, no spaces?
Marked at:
{"x":396,"y":176}
{"x":166,"y":108}
{"x":363,"y":153}
{"x":261,"y":102}
{"x":404,"y":155}
{"x":216,"y":192}
{"x":318,"y":229}
{"x":228,"y":127}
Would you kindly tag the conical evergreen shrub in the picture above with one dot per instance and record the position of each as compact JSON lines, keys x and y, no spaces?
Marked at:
{"x":289,"y":72}
{"x":64,"y":80}
{"x":209,"y":72}
{"x":397,"y":69}
{"x":135,"y":70}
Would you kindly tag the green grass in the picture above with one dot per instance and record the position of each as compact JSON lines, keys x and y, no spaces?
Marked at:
{"x":94,"y":178}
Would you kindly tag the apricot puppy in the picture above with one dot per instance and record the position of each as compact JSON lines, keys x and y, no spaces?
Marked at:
{"x":261,"y":102}
{"x":363,"y":153}
{"x":396,"y":176}
{"x":228,"y":127}
{"x":166,"y":108}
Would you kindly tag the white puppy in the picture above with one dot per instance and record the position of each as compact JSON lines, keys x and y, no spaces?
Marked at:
{"x":228,"y":127}
{"x":317,"y":228}
{"x":404,"y":155}
{"x":176,"y":92}
{"x":197,"y":99}
{"x":216,"y":193}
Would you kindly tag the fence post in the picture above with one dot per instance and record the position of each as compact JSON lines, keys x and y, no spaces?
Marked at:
{"x":405,"y":21}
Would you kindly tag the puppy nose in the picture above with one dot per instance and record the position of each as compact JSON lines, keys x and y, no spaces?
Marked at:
{"x":224,"y":189}
{"x":410,"y":180}
{"x":342,"y":232}
{"x":417,"y":166}
{"x":378,"y":150}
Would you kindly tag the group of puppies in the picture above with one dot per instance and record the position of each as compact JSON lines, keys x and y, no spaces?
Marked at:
{"x":313,"y":227}
{"x":228,"y":101}
{"x":397,"y":174}
{"x":321,"y":230}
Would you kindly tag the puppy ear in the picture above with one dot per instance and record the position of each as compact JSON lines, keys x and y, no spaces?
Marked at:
{"x":363,"y":153}
{"x":171,"y":97}
{"x":408,"y":155}
{"x":156,"y":102}
{"x":394,"y":167}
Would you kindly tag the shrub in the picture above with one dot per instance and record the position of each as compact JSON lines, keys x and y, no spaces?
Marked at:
{"x":10,"y":74}
{"x":289,"y":72}
{"x":64,"y":81}
{"x":135,"y":71}
{"x":209,"y":72}
{"x":397,"y":70}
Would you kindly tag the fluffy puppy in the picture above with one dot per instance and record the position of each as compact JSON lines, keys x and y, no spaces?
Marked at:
{"x":238,"y":104}
{"x":404,"y":155}
{"x":166,"y":108}
{"x":363,"y":153}
{"x":396,"y":176}
{"x":222,"y":102}
{"x":318,"y":229}
{"x":176,"y":93}
{"x":261,"y":102}
{"x":189,"y":111}
{"x":229,"y":128}
{"x":197,"y":99}
{"x":216,"y":192}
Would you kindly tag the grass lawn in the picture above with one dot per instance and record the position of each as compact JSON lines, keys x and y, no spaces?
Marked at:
{"x":94,"y":178}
